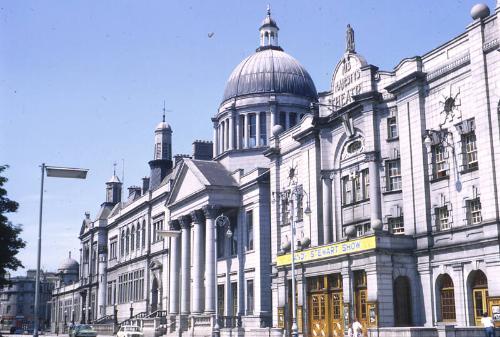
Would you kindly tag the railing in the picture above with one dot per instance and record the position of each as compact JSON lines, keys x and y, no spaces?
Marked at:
{"x":202,"y":321}
{"x":158,"y":313}
{"x":104,"y":319}
{"x":230,"y":321}
{"x":139,"y":315}
{"x":104,"y":329}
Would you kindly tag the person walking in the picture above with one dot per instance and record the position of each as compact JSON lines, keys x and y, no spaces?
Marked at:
{"x":489,"y":326}
{"x":357,"y":328}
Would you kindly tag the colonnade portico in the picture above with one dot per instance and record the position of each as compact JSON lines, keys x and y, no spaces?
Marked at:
{"x":197,"y":278}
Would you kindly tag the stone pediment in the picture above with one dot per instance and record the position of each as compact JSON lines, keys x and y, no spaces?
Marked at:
{"x":186,"y":183}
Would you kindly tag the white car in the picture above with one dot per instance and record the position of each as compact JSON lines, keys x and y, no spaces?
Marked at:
{"x":129,"y":331}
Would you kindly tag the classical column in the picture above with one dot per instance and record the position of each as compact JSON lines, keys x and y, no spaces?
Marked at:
{"x":174,"y":269}
{"x":246,"y":132}
{"x":374,"y":192}
{"x":221,"y":139}
{"x":226,"y":128}
{"x":327,"y":207}
{"x":215,"y":149}
{"x":231,"y":132}
{"x":287,"y":120}
{"x":238,"y":132}
{"x":185,"y":222}
{"x":197,"y":307}
{"x":257,"y":129}
{"x":210,"y":215}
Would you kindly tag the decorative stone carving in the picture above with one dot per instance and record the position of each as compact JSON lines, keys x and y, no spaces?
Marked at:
{"x":174,"y":225}
{"x":377,"y":225}
{"x":349,"y":40}
{"x":211,"y":211}
{"x":185,"y":221}
{"x":197,"y":216}
{"x":350,"y":231}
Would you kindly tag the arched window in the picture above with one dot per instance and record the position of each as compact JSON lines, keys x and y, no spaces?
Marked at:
{"x":138,"y":235}
{"x":447,"y":298}
{"x":132,"y":239}
{"x":402,"y":301}
{"x":127,"y":241}
{"x":143,"y":233}
{"x":122,"y":244}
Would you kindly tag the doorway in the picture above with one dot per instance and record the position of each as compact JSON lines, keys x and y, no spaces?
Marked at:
{"x":402,"y":301}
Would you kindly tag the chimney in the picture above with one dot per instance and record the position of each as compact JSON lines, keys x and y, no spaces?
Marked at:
{"x":202,"y":150}
{"x":145,"y":184}
{"x":134,"y":191}
{"x":87,"y":215}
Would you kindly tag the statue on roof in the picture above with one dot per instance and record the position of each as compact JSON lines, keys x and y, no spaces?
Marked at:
{"x":349,"y":38}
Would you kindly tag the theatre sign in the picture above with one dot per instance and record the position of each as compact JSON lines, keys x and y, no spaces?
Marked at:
{"x":328,"y":251}
{"x":347,"y":80}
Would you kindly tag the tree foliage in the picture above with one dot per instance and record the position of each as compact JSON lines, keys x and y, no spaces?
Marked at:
{"x":10,"y":242}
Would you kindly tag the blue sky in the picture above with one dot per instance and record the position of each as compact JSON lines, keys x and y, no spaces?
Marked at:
{"x":82,"y":83}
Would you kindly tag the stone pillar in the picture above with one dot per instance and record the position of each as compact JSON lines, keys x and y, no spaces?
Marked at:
{"x":215,"y":149}
{"x":219,"y":138}
{"x":246,"y":132}
{"x":231,"y":132}
{"x":197,"y":217}
{"x":327,"y":208}
{"x":460,"y":294}
{"x":287,"y":121}
{"x":210,"y":215}
{"x":175,"y":246}
{"x":257,"y":129}
{"x":238,"y":132}
{"x":374,"y":191}
{"x":185,"y":222}
{"x":347,"y":289}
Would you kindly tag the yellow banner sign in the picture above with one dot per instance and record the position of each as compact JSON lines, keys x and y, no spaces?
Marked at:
{"x":336,"y":249}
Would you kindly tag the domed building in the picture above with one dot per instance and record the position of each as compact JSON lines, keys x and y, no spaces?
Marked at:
{"x":68,"y":271}
{"x":267,"y":88}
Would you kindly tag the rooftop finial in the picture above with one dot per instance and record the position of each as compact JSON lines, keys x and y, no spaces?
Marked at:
{"x":114,"y":168}
{"x":268,"y":10}
{"x":70,"y":254}
{"x":164,"y":110}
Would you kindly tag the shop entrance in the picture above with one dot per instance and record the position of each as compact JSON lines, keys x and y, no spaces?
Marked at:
{"x":360,"y":299}
{"x":324,"y":296}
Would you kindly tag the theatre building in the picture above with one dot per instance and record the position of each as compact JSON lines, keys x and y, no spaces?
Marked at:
{"x":391,"y":184}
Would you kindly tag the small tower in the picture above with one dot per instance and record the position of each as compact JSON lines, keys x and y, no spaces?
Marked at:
{"x":162,"y":157}
{"x":114,"y":189}
{"x":268,"y":32}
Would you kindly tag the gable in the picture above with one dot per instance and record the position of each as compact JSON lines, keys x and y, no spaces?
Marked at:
{"x":186,"y":185}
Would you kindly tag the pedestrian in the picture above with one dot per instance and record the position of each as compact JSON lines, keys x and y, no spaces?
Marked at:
{"x":489,"y":326}
{"x":350,"y":333}
{"x":357,"y":328}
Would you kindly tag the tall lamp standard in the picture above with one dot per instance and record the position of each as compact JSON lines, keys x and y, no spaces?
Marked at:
{"x":223,"y":222}
{"x":292,"y":196}
{"x":56,"y":172}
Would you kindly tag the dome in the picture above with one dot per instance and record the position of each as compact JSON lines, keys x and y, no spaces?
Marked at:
{"x":163,"y":126}
{"x":69,"y":264}
{"x":270,"y":70}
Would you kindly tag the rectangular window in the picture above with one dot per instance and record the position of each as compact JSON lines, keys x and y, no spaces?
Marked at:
{"x":300,"y":205}
{"x":157,"y":226}
{"x":442,"y":218}
{"x":252,"y":130}
{"x":221,"y":241}
{"x":393,"y":172}
{"x":392,"y":128}
{"x":220,"y":299}
{"x":347,"y":190}
{"x":474,"y":211}
{"x":440,"y":164}
{"x":283,"y":119}
{"x":285,"y":202}
{"x":470,"y":151}
{"x":263,"y":129}
{"x":234,"y":298}
{"x":250,"y":298}
{"x":249,"y":223}
{"x":396,"y":225}
{"x":366,"y":184}
{"x":358,"y":191}
{"x":293,"y":119}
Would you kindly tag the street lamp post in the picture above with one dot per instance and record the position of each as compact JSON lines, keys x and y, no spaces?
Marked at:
{"x":295,"y":193}
{"x":56,"y":172}
{"x":89,"y":315}
{"x":223,"y":222}
{"x":131,"y":309}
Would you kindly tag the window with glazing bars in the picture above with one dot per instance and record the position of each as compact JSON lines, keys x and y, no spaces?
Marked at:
{"x":393,"y":175}
{"x":470,"y":150}
{"x":440,"y":164}
{"x":396,"y":225}
{"x":474,"y":211}
{"x":392,"y":128}
{"x":442,"y":218}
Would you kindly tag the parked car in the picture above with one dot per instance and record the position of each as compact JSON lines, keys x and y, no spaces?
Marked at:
{"x":129,"y":331}
{"x":82,"y":330}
